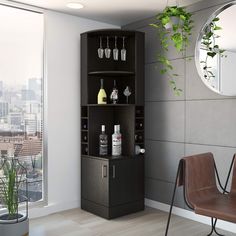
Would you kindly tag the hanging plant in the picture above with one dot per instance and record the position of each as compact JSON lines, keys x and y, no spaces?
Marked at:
{"x":210,"y":46}
{"x":174,"y":26}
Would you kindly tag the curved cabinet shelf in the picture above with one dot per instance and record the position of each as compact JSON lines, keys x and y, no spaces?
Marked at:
{"x":111,"y":73}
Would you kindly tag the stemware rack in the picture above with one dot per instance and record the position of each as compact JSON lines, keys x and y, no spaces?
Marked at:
{"x":112,"y":187}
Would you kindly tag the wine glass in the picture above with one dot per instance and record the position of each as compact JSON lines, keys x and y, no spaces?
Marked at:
{"x":100,"y":49}
{"x":107,"y":49}
{"x":127,"y":93}
{"x":115,"y":51}
{"x":123,"y":51}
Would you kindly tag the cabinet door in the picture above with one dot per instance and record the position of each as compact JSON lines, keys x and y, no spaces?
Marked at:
{"x":126,"y":180}
{"x":95,"y":180}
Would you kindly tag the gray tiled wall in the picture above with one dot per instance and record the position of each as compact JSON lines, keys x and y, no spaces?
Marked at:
{"x":197,"y":121}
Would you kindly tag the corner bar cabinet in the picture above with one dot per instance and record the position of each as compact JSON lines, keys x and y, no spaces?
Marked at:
{"x":112,"y":186}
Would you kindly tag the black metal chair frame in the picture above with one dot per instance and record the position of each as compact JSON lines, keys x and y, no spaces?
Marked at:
{"x":224,"y":191}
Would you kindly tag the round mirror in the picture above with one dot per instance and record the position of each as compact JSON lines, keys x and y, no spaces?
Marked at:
{"x":215,"y":55}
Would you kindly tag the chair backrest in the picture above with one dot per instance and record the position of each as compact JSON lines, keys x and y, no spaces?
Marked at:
{"x":198,"y":177}
{"x":233,"y":185}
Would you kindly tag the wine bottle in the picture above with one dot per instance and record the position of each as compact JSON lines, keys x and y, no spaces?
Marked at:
{"x":116,"y":141}
{"x":102,"y":96}
{"x":103,"y":142}
{"x":114,"y":94}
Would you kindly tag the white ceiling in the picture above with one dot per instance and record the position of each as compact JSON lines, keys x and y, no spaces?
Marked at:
{"x":117,"y":12}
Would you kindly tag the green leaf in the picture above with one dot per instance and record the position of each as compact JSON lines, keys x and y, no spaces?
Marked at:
{"x":175,"y":75}
{"x":216,"y":19}
{"x":163,"y":71}
{"x":217,"y":28}
{"x":182,"y":17}
{"x":165,"y":20}
{"x":154,"y":25}
{"x":211,"y":54}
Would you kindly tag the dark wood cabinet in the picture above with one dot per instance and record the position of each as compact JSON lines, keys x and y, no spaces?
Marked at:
{"x":112,"y":186}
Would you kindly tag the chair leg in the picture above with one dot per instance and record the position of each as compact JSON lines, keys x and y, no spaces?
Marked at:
{"x":172,"y":201}
{"x":213,"y":228}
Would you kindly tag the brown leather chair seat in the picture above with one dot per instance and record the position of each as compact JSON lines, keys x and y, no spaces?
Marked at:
{"x":219,"y":206}
{"x":198,"y":175}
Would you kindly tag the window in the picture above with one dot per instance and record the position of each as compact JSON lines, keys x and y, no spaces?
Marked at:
{"x":21,"y":92}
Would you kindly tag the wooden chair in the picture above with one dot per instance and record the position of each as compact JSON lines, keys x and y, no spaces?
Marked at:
{"x":197,"y":174}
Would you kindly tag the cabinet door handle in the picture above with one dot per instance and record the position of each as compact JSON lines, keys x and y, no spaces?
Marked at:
{"x":114,"y":172}
{"x":104,"y":171}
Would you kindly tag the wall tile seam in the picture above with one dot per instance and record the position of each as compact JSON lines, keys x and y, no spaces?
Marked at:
{"x":211,"y":99}
{"x":171,"y":59}
{"x":159,"y":180}
{"x":163,"y":141}
{"x":192,"y":100}
{"x":185,"y":106}
{"x":164,"y":101}
{"x":188,"y":143}
{"x":160,"y":100}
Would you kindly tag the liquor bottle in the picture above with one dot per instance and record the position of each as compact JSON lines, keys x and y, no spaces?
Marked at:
{"x":114,"y":94}
{"x":116,"y":141}
{"x":103,"y":143}
{"x":102,"y":96}
{"x":139,"y":150}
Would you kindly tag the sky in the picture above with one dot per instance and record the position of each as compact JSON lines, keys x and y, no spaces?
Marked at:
{"x":21,"y":45}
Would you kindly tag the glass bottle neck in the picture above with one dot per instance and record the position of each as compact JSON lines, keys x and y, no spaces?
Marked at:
{"x":101,"y":83}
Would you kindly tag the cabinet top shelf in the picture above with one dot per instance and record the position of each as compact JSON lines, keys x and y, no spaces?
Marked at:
{"x":109,"y":105}
{"x":114,"y":157}
{"x":111,"y":73}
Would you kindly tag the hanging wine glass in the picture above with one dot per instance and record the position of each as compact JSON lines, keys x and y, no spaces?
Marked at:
{"x":127,"y":93}
{"x":107,"y":49}
{"x":123,"y":51}
{"x":115,"y":51}
{"x":100,"y":49}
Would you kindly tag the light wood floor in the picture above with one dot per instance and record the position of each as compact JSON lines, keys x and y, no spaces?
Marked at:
{"x":150,"y":222}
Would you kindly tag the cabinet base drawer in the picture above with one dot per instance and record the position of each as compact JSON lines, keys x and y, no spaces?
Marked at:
{"x":112,"y":212}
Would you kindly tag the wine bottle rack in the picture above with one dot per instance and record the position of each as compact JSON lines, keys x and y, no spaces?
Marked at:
{"x":139,"y":126}
{"x":84,"y":130}
{"x":104,"y":193}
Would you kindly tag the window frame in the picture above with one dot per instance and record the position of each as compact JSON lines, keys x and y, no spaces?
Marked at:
{"x":44,"y":200}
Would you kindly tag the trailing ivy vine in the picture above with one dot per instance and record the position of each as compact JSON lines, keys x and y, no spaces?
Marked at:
{"x":178,"y":35}
{"x":212,"y":49}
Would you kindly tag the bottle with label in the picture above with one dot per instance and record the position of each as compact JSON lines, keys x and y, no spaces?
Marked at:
{"x":114,"y":94}
{"x":103,"y":143}
{"x":102,"y":96}
{"x":116,"y":141}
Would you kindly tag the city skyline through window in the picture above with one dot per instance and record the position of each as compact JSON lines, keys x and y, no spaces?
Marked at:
{"x":21,"y":92}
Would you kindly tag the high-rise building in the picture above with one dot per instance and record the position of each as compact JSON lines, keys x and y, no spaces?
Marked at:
{"x":35,"y":85}
{"x":4,"y":109}
{"x":32,"y":107}
{"x":30,"y":123}
{"x":15,"y":120}
{"x":1,"y":88}
{"x":27,"y":95}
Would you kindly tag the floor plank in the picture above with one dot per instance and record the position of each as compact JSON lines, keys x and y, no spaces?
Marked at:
{"x":150,"y":222}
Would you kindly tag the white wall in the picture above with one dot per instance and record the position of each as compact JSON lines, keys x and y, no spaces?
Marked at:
{"x":62,"y":42}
